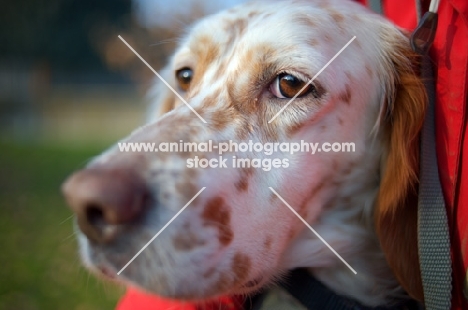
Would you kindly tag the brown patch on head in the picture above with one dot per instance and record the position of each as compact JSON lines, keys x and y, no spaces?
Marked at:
{"x":345,"y":96}
{"x":194,"y":90}
{"x":238,"y":26}
{"x":337,"y":17}
{"x":306,"y":21}
{"x":243,"y":184}
{"x":243,"y":131}
{"x":241,"y":98}
{"x":167,"y":105}
{"x":340,"y":121}
{"x":243,"y":92}
{"x":217,"y":214}
{"x":210,"y":101}
{"x":248,"y":171}
{"x":206,"y":52}
{"x":249,"y":56}
{"x":221,"y":118}
{"x":241,"y":266}
{"x":253,"y":14}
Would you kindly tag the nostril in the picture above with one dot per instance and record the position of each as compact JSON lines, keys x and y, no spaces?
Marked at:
{"x":105,"y":199}
{"x":95,"y":215}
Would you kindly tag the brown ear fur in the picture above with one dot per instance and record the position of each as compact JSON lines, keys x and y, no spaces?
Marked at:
{"x":396,"y":209}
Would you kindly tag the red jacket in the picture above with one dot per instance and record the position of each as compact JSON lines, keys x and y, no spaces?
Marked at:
{"x":450,"y":54}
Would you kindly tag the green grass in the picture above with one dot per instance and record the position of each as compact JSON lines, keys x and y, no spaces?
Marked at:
{"x":39,"y":262}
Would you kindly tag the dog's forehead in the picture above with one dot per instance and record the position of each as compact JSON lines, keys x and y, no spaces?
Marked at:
{"x":282,"y":25}
{"x":253,"y":22}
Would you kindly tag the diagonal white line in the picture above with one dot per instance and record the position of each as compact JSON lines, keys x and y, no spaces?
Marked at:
{"x":67,"y":219}
{"x":313,"y":230}
{"x":160,"y":77}
{"x":315,"y":76}
{"x":159,"y":232}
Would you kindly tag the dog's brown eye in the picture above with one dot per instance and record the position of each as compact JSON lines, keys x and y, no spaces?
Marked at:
{"x":184,"y":77}
{"x":287,"y":86}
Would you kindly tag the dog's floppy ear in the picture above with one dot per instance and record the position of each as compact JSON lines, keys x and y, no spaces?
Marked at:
{"x":162,"y":99}
{"x":401,"y":122}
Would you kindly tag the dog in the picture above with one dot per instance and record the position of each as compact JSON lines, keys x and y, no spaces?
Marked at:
{"x":237,"y":69}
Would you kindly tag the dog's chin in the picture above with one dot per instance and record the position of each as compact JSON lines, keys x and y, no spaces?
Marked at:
{"x":188,"y":293}
{"x":171,"y":286}
{"x":178,"y":289}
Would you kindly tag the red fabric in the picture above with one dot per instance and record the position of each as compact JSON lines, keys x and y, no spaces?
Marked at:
{"x":137,"y":300}
{"x":450,"y":54}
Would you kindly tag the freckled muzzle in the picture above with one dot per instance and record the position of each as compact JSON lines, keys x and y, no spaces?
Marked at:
{"x":117,"y":188}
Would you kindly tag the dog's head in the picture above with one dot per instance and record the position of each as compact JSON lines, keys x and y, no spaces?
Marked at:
{"x":237,"y":70}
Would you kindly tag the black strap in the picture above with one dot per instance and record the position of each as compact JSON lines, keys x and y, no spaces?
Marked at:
{"x":314,"y":295}
{"x":376,"y":6}
{"x":433,"y":230}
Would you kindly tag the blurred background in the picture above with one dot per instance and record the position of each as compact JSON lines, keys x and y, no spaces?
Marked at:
{"x":69,"y":88}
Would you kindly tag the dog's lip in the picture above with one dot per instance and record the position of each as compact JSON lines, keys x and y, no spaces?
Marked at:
{"x":253,"y":283}
{"x":107,"y":272}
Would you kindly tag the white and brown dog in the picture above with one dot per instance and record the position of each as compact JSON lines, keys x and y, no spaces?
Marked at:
{"x":237,"y":69}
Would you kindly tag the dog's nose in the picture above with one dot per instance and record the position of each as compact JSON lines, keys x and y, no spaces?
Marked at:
{"x":104,"y":199}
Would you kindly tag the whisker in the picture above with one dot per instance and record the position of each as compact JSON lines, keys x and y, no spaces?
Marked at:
{"x":69,"y":237}
{"x":166,"y":41}
{"x":68,"y":218}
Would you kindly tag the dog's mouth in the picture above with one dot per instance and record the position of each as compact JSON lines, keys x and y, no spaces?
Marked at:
{"x":107,"y":273}
{"x":254,"y":284}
